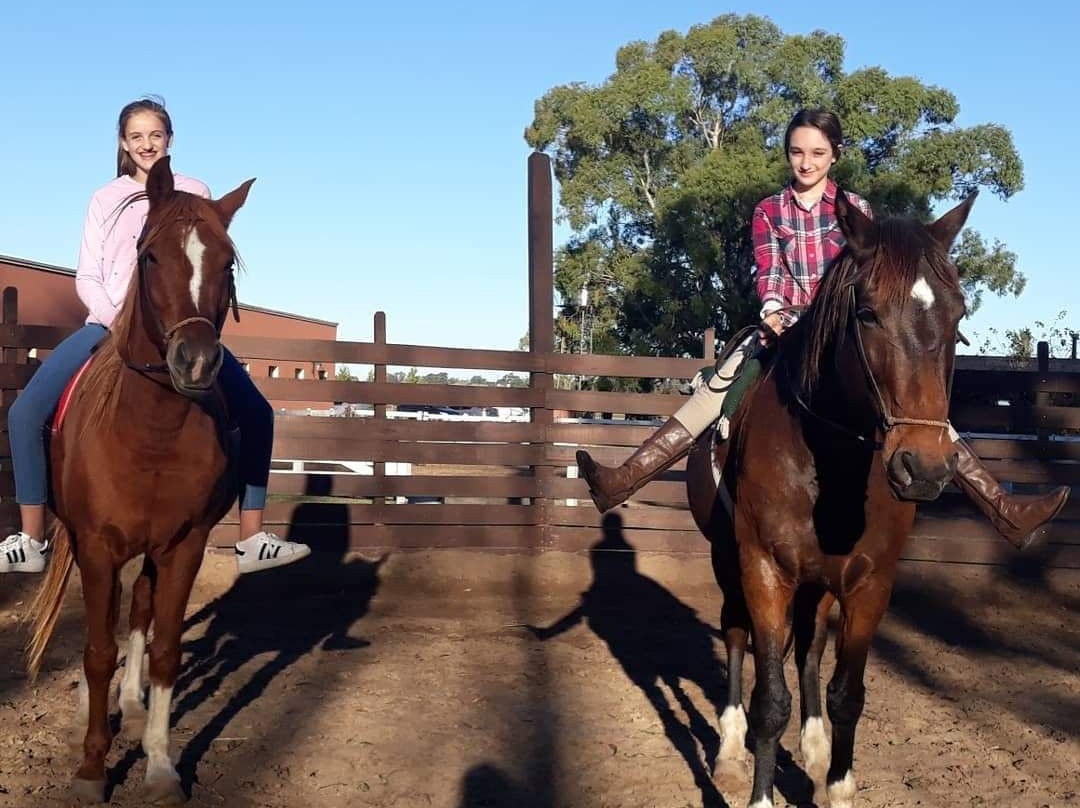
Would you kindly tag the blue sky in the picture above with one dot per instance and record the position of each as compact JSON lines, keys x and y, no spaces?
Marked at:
{"x":388,"y":146}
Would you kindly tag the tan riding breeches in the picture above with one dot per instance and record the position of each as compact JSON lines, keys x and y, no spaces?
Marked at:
{"x":707,"y":402}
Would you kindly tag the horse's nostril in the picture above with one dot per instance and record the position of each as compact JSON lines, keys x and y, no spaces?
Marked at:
{"x":908,"y":461}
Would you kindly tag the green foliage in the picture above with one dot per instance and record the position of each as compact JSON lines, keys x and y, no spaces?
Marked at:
{"x":1021,"y":343}
{"x":660,"y":167}
{"x":413,"y":376}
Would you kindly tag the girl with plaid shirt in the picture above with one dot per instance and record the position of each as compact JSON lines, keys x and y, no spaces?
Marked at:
{"x":796,"y":238}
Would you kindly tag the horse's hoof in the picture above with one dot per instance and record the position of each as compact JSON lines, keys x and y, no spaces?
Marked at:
{"x":732,"y":751}
{"x":133,"y":720}
{"x":163,"y":791}
{"x":88,"y":791}
{"x":731,"y":776}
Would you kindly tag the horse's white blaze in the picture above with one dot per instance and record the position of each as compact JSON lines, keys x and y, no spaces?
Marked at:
{"x":194,"y":248}
{"x":131,"y":685}
{"x":922,"y":292}
{"x":814,"y":743}
{"x":155,"y":740}
{"x":732,"y":732}
{"x":842,"y":792}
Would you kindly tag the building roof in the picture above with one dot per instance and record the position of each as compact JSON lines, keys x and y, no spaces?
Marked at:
{"x":36,"y":265}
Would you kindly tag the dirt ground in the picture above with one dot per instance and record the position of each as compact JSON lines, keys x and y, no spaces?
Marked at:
{"x":410,"y":681}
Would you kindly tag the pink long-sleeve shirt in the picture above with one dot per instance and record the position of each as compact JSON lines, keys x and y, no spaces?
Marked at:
{"x":108,"y":253}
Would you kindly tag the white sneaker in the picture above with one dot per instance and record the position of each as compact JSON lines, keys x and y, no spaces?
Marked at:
{"x":22,"y":553}
{"x":266,"y":550}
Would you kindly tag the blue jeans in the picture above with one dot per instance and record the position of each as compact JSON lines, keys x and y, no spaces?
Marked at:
{"x":255,"y":417}
{"x":31,"y":411}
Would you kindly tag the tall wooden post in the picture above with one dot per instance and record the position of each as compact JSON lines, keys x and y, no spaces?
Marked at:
{"x":1042,"y":398}
{"x":10,"y":355}
{"x":541,"y":319}
{"x":379,"y":467}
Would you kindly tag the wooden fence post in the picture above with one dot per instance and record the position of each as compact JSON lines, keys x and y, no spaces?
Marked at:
{"x":541,"y":323}
{"x":710,"y":343}
{"x":1042,"y":398}
{"x":8,"y":316}
{"x":379,"y":467}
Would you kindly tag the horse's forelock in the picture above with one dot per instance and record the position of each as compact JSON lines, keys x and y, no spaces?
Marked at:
{"x":184,"y":211}
{"x":902,"y":246}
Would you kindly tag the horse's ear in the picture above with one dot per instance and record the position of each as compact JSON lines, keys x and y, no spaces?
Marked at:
{"x":858,"y":228}
{"x":233,"y":201}
{"x":945,"y":229}
{"x":159,"y":182}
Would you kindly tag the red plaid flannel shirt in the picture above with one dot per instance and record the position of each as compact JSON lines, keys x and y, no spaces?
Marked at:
{"x":794,"y":246}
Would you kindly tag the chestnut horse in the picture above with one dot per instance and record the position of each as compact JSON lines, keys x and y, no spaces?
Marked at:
{"x":140,"y":467}
{"x":829,"y":451}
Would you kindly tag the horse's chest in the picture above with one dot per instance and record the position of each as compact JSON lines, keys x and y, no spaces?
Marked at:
{"x":153,"y":481}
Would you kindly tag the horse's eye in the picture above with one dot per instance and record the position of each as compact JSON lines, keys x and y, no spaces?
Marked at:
{"x":866,"y":315}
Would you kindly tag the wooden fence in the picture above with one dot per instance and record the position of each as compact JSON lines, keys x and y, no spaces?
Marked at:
{"x":511,"y":486}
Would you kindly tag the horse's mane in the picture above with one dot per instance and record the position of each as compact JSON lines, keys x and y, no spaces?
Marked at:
{"x":892,"y":272}
{"x":103,"y":377}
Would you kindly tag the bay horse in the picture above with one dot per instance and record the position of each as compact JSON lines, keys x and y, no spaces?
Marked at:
{"x":811,"y":500}
{"x":141,"y":467}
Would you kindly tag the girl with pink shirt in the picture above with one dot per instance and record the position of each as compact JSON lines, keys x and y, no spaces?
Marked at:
{"x":107,"y":260}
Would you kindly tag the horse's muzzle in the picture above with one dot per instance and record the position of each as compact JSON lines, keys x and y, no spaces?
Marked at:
{"x":914,"y":476}
{"x":194,"y":365}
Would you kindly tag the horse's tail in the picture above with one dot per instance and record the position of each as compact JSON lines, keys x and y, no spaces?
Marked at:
{"x":50,"y":596}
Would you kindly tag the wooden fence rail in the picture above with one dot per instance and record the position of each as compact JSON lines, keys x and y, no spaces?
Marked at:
{"x":513,"y":486}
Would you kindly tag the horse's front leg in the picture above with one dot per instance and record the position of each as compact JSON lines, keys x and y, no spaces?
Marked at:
{"x":735,"y":626}
{"x":861,"y":611}
{"x":768,"y":596}
{"x":101,"y":597}
{"x":810,"y":626}
{"x":133,"y":723}
{"x":172,"y":587}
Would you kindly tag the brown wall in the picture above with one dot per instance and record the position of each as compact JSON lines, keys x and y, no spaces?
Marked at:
{"x":47,"y":297}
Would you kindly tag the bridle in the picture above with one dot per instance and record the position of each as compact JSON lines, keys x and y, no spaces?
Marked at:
{"x":886,"y":420}
{"x":166,"y":334}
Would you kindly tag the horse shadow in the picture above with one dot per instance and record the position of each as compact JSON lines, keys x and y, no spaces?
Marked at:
{"x":284,"y":614}
{"x":948,"y":613}
{"x":659,"y":641}
{"x":487,"y":786}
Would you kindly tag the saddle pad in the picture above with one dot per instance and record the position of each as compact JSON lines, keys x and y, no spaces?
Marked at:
{"x":65,"y":398}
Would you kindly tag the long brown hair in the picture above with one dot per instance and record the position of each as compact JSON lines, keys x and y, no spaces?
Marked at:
{"x":150,"y":103}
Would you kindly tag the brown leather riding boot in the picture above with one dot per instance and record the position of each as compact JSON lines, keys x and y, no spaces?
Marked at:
{"x":1015,"y":516}
{"x":611,"y":486}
